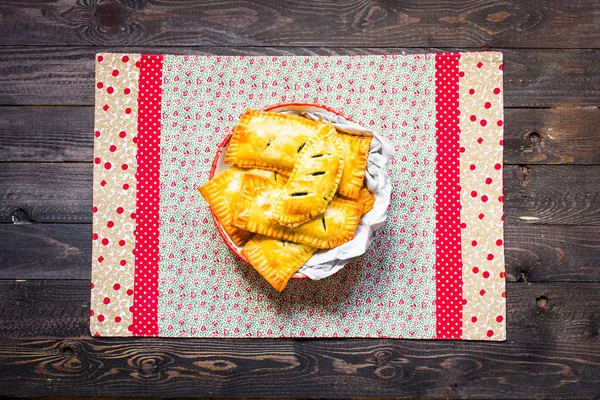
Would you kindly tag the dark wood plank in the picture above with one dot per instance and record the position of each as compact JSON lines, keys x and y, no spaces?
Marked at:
{"x":548,"y":194}
{"x":541,"y":76}
{"x":45,"y":251}
{"x":534,"y":253}
{"x":51,"y":134}
{"x":46,"y":192}
{"x":553,"y":351}
{"x":532,"y":136}
{"x":301,"y":369}
{"x":138,"y":398}
{"x":552,"y":136}
{"x":538,"y":194}
{"x":64,"y":75}
{"x":359,"y":23}
{"x":552,"y":253}
{"x":39,"y":308}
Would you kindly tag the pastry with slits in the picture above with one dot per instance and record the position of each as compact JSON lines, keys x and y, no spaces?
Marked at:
{"x":276,"y":260}
{"x":269,"y":140}
{"x":314,"y":180}
{"x":303,"y":194}
{"x":356,"y":156}
{"x":223,"y":192}
{"x":256,"y":210}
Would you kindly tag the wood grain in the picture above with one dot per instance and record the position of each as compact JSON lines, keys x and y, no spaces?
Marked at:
{"x":552,"y":236}
{"x":552,"y":253}
{"x":552,"y":136}
{"x":52,"y":251}
{"x":46,"y":192}
{"x":38,"y":308}
{"x":532,"y":136}
{"x":553,"y":350}
{"x":535,"y":194}
{"x":358,"y":23}
{"x":527,"y":368}
{"x":51,"y":134}
{"x":534,"y":253}
{"x":65,"y":75}
{"x":548,"y":194}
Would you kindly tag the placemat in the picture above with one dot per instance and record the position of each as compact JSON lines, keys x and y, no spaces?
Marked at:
{"x":434,"y":271}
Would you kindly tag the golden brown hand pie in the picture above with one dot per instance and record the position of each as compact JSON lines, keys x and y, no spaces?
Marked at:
{"x":256,"y":210}
{"x":356,"y":154}
{"x":269,"y":140}
{"x":276,"y":260}
{"x":366,"y":200}
{"x":314,"y":180}
{"x":270,"y":175}
{"x":223,"y":192}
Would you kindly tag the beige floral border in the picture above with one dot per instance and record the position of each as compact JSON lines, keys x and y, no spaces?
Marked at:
{"x":114,"y":186}
{"x":481,"y":123}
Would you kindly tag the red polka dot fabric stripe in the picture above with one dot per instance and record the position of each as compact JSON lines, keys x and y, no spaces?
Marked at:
{"x":448,"y":235}
{"x":145,"y":320}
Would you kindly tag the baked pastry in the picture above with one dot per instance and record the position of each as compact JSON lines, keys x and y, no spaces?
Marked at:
{"x":314,"y":180}
{"x":366,"y":200}
{"x":276,"y":260}
{"x":304,"y":192}
{"x":269,"y":140}
{"x":256,"y":210}
{"x":223,"y":192}
{"x":356,"y":155}
{"x":271,"y":175}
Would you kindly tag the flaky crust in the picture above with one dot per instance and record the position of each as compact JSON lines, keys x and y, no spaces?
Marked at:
{"x":223,"y":192}
{"x":356,"y":155}
{"x":276,"y":260}
{"x":269,"y":140}
{"x":337,"y":225}
{"x":314,"y":180}
{"x":366,"y":200}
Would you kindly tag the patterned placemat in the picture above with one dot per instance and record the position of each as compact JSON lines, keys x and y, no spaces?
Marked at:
{"x":434,"y":271}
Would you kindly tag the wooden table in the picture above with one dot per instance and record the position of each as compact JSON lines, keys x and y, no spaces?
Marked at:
{"x":552,"y":179}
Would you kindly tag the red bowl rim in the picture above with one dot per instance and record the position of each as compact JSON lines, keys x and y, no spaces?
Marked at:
{"x":211,"y":174}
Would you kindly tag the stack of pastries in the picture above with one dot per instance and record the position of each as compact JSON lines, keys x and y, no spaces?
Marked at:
{"x":295,"y":186}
